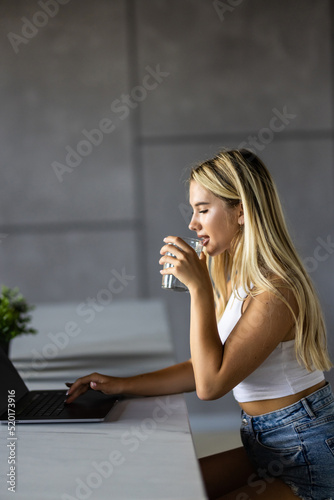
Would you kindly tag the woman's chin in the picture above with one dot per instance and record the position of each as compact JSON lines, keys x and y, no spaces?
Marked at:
{"x":210,"y":251}
{"x":213,"y":251}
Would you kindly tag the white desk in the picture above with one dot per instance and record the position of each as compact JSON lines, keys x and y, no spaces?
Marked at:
{"x":143,"y":450}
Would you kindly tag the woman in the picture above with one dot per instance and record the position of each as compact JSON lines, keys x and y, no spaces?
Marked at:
{"x":258,"y":331}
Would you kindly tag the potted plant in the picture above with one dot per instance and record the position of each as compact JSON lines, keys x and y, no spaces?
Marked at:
{"x":14,"y":317}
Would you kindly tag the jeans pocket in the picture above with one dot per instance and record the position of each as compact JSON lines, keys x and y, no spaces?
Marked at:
{"x":330,"y":444}
{"x":280,"y":459}
{"x":280,"y":449}
{"x":279,"y":441}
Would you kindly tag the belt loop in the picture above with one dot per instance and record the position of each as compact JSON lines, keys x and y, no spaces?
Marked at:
{"x":307,"y":408}
{"x":252,"y":425}
{"x":244,"y":419}
{"x":247,"y":421}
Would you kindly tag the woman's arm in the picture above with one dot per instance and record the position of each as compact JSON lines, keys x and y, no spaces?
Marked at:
{"x":174,"y":379}
{"x":266,"y":322}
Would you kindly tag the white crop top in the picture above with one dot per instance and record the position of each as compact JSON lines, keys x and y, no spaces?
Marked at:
{"x":279,"y":375}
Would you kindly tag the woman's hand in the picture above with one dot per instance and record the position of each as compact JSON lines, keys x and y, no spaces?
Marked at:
{"x":188,"y":267}
{"x":174,"y":379}
{"x":95,"y":381}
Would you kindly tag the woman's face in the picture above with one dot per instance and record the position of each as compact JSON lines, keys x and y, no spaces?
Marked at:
{"x":213,"y":220}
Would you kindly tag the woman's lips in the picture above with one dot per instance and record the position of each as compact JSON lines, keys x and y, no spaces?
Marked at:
{"x":205,"y":240}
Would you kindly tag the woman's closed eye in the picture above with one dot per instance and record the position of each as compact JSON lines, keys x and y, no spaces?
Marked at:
{"x":203,"y":211}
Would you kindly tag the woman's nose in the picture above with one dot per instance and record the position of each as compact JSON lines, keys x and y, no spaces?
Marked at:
{"x":193,"y":225}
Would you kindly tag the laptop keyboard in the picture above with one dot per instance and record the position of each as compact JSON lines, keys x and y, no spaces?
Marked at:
{"x":43,"y":404}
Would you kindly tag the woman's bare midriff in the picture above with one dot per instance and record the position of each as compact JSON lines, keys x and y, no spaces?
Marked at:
{"x":254,"y":408}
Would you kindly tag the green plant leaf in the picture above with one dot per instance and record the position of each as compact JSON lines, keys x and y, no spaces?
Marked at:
{"x":14,"y":317}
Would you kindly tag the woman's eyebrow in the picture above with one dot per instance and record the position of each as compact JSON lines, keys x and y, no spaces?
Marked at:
{"x":201,"y":203}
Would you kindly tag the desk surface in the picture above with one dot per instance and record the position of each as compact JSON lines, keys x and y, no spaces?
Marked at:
{"x":143,"y":449}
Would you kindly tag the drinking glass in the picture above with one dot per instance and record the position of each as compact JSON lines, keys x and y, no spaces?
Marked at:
{"x":171,"y":282}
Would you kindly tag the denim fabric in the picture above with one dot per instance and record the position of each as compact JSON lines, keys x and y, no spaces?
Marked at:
{"x":295,"y":444}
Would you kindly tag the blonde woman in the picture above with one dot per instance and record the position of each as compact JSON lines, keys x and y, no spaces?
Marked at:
{"x":258,"y":330}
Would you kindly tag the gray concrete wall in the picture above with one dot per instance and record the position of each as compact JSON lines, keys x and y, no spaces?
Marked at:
{"x":106,"y":103}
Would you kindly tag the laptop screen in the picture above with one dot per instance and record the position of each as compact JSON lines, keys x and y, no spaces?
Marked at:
{"x":9,"y":380}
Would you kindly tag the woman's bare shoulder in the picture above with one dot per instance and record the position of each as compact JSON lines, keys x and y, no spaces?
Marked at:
{"x":281,"y":293}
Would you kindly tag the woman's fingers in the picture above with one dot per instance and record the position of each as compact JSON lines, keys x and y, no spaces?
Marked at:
{"x":186,"y":266}
{"x":174,"y":260}
{"x":82,"y":385}
{"x":176,"y":244}
{"x":177,"y":252}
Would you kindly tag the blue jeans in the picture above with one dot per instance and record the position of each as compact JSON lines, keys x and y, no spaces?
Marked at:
{"x":295,"y":444}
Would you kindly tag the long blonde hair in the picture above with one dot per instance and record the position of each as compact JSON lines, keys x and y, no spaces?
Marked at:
{"x":263,"y":255}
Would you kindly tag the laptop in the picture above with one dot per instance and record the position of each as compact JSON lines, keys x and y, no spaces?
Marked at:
{"x":46,"y":406}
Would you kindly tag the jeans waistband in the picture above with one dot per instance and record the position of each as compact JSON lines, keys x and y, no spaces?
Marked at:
{"x":308,"y":406}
